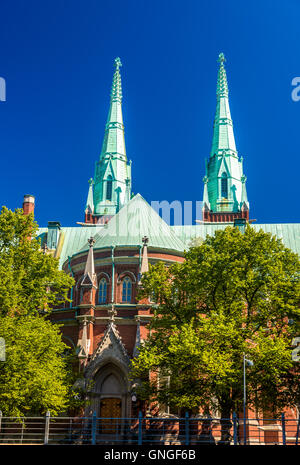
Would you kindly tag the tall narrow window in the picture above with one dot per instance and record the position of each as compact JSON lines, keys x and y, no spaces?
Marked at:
{"x":126,"y":290}
{"x":224,"y":186}
{"x":109,"y":188}
{"x":102,"y":291}
{"x":80,"y":295}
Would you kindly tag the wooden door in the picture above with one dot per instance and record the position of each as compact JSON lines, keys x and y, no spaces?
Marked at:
{"x":110,"y":413}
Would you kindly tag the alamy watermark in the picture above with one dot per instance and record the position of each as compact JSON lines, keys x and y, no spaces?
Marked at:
{"x":2,"y":349}
{"x":136,"y":220}
{"x":296,"y":91}
{"x":2,"y":90}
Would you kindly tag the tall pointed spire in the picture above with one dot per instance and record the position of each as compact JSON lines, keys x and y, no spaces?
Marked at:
{"x":114,"y":141}
{"x":112,"y":180}
{"x":223,"y":137}
{"x":224,"y":181}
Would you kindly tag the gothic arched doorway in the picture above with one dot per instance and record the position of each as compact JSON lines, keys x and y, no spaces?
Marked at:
{"x":111,"y":385}
{"x":110,"y":410}
{"x":111,"y":391}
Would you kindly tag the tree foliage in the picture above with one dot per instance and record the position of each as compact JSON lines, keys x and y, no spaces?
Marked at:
{"x":233,"y":295}
{"x":30,"y":281}
{"x":36,"y":375}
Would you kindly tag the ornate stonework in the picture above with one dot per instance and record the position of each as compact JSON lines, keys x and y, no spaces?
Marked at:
{"x":111,"y":348}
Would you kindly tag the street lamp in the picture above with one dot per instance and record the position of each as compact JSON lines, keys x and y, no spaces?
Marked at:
{"x":250,"y":364}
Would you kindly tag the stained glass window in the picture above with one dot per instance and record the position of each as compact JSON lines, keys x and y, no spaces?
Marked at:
{"x":102,"y":291}
{"x":126,"y":290}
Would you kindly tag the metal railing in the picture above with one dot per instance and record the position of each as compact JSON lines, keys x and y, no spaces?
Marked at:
{"x":187,"y":431}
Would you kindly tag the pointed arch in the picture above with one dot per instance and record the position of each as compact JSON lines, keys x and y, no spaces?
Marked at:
{"x":109,"y":188}
{"x":224,"y":185}
{"x":127,"y":290}
{"x":111,"y":382}
{"x":127,"y":273}
{"x":102,"y":292}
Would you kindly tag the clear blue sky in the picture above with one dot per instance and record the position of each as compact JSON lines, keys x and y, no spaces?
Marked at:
{"x":57,"y":60}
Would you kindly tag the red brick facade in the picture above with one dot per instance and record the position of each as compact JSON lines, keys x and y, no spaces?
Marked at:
{"x":88,"y":304}
{"x":112,"y":329}
{"x":87,"y":318}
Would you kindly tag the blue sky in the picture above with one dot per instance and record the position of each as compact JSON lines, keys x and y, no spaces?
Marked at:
{"x":57,"y":60}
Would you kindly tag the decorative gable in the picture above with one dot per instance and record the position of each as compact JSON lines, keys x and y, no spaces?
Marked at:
{"x":110,"y":348}
{"x":109,"y":171}
{"x":223,"y":168}
{"x":88,"y":280}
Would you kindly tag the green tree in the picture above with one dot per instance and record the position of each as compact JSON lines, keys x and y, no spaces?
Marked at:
{"x":36,"y":375}
{"x":30,"y":281}
{"x":233,"y":295}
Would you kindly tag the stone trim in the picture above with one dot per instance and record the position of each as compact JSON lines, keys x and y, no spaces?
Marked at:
{"x":270,"y":427}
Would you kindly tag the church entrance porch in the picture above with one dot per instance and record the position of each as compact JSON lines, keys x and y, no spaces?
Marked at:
{"x":109,"y":399}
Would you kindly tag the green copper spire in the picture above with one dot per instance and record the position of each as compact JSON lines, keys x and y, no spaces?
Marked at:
{"x":223,"y":137}
{"x":224,"y":181}
{"x":112,"y":188}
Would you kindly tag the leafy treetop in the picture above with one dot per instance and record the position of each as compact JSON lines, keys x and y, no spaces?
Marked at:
{"x":30,"y":280}
{"x":234,"y":294}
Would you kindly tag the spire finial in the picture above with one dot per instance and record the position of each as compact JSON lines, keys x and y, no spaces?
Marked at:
{"x":145,"y":240}
{"x":116,"y":91}
{"x":221,"y":58}
{"x":118,"y":63}
{"x":91,"y":241}
{"x":222,"y":86}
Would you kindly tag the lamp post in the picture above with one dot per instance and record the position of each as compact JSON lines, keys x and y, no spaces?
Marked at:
{"x":249,"y":363}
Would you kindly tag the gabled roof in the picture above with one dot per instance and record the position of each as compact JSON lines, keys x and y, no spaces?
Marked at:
{"x":137,"y":219}
{"x":134,"y":221}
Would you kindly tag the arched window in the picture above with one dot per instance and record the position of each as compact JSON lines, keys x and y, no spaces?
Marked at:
{"x":102,"y":291}
{"x":126,"y":290}
{"x":224,"y":186}
{"x":109,"y":188}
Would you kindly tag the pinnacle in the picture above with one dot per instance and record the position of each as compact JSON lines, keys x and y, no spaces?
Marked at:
{"x":222,"y":86}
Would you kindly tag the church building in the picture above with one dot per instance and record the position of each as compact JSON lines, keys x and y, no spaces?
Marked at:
{"x":120,"y":235}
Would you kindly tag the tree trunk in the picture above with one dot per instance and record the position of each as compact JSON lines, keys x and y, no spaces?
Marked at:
{"x":226,"y":422}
